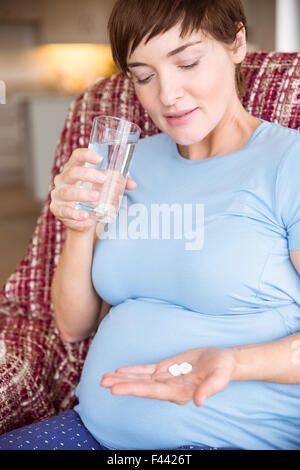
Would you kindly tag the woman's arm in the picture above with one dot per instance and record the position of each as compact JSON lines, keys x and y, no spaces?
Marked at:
{"x":75,"y":301}
{"x":78,"y":309}
{"x":277,"y":361}
{"x":295,"y":258}
{"x":213,"y":370}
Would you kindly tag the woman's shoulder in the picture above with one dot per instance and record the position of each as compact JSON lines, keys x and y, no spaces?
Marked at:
{"x":278,"y":143}
{"x":282,"y":133}
{"x":282,"y":153}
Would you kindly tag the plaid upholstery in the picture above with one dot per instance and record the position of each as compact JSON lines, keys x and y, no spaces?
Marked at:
{"x":39,"y":371}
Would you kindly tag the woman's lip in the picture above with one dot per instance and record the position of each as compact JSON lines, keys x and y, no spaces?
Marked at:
{"x":179,"y":114}
{"x":177,"y":121}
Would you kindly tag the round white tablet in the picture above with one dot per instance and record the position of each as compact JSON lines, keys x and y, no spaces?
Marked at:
{"x":185,"y":368}
{"x":174,"y":369}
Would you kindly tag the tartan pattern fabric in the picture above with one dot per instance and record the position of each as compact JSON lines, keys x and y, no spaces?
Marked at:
{"x":38,"y":370}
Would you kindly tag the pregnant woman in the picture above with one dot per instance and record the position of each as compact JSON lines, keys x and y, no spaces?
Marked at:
{"x":224,"y":297}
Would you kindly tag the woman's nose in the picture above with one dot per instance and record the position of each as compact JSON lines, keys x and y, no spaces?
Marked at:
{"x":170,"y":92}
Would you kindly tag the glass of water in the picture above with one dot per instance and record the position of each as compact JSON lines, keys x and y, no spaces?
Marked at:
{"x":115,"y":139}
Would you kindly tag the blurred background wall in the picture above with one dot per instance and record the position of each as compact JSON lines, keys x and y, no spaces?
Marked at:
{"x":50,"y":51}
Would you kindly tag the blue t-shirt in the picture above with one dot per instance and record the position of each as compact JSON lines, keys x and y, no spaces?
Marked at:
{"x":199,"y":256}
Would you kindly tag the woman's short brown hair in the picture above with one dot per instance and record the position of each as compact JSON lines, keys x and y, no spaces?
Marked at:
{"x":132,"y":21}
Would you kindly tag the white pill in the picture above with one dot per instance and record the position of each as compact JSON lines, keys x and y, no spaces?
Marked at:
{"x":185,"y":368}
{"x":175,"y":370}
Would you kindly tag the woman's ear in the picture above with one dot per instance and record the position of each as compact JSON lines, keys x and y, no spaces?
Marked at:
{"x":239,"y":49}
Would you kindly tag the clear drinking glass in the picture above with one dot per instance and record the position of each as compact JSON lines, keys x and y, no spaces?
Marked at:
{"x":115,"y":139}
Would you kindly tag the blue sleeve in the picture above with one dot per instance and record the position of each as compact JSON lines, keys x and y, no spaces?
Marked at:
{"x":288,"y":194}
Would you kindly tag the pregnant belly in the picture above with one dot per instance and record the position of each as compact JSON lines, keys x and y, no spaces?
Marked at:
{"x":141,"y":331}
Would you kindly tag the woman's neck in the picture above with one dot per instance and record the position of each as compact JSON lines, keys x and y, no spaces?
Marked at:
{"x":232,"y":133}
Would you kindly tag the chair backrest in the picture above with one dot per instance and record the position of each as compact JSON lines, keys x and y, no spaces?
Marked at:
{"x":273,"y":93}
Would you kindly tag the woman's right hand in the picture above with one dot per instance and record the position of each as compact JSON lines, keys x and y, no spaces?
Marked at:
{"x":67,"y":191}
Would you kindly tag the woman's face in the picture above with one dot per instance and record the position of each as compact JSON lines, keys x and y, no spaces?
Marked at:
{"x":199,"y":79}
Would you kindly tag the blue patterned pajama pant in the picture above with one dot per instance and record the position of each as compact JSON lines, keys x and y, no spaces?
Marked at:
{"x":63,"y":432}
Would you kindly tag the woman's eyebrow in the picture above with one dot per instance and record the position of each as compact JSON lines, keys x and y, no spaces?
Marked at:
{"x":170,"y":54}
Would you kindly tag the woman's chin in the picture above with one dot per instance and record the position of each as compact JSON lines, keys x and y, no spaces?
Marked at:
{"x":185,"y":140}
{"x":182,"y":135}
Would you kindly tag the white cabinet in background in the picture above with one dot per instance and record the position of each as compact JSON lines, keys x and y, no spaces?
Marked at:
{"x":45,"y":121}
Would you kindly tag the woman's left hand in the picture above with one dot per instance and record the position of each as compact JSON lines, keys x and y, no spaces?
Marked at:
{"x":212,"y":371}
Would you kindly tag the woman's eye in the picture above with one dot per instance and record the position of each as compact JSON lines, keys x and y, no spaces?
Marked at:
{"x":190,"y":66}
{"x":185,"y":67}
{"x":144,"y":80}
